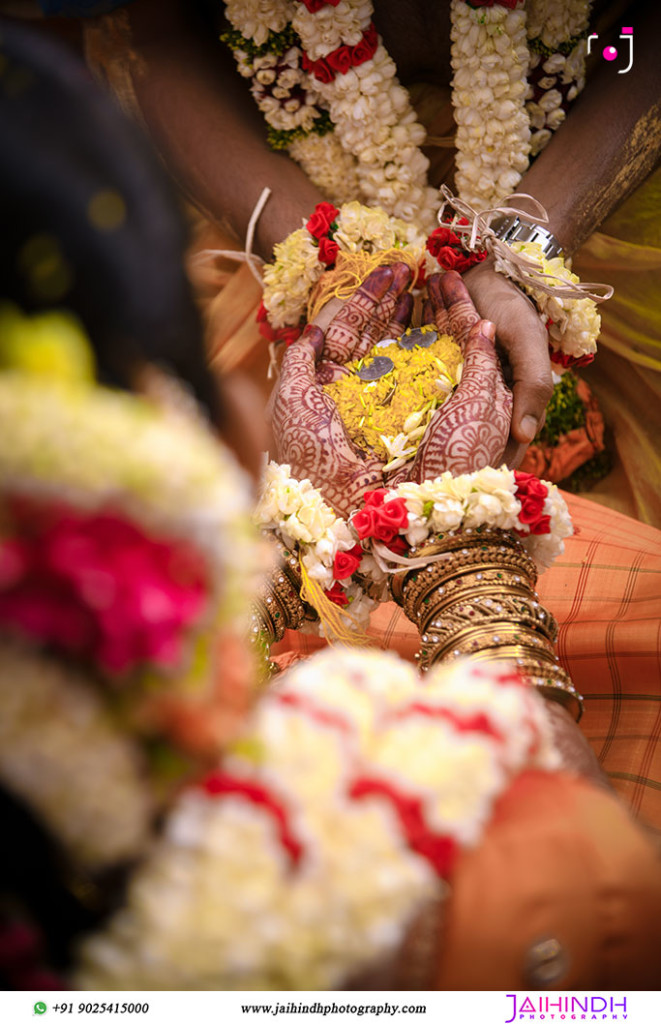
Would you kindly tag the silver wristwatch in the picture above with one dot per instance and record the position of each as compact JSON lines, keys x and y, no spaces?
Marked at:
{"x":513,"y":229}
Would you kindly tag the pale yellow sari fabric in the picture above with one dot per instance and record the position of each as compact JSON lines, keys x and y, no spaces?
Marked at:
{"x":626,"y":375}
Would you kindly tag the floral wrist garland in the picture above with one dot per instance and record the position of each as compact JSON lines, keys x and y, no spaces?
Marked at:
{"x":300,"y":261}
{"x":395,"y":523}
{"x":401,"y":520}
{"x":449,"y":249}
{"x":573,"y":323}
{"x":328,"y":550}
{"x":305,"y":857}
{"x":567,"y":307}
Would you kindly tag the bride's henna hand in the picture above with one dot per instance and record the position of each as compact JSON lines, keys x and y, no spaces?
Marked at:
{"x":379,"y":309}
{"x":471,"y":429}
{"x":308,"y":428}
{"x":449,"y":306}
{"x":309,"y":432}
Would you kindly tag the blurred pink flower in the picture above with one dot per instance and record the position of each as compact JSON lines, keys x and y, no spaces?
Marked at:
{"x":97,"y":587}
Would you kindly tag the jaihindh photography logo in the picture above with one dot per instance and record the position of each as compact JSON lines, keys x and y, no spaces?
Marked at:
{"x":522,"y":1007}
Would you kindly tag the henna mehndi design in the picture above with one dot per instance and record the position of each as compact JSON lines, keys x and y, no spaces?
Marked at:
{"x":469,"y":432}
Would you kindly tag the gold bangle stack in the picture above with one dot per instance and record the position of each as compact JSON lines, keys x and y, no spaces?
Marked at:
{"x":477,"y":599}
{"x":277,"y":606}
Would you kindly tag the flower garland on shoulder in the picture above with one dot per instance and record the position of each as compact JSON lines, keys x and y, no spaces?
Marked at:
{"x":517,"y":68}
{"x":329,"y":92}
{"x":557,"y":42}
{"x":107,"y":556}
{"x":490,"y":63}
{"x":126,"y":563}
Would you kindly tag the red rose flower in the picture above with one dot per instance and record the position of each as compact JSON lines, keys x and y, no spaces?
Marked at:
{"x":262,"y":314}
{"x":531,"y":510}
{"x":286,"y":334}
{"x":450,"y":251}
{"x":532,"y":493}
{"x":328,"y":250}
{"x":394,"y":513}
{"x":319,"y":68}
{"x":543,"y":525}
{"x":528,"y":483}
{"x":339,"y":60}
{"x":314,"y":5}
{"x":337,"y":595}
{"x":383,"y":531}
{"x":321,"y":220}
{"x":450,"y":259}
{"x":363,"y":522}
{"x":374,"y":498}
{"x":366,"y":48}
{"x":345,"y":563}
{"x":379,"y":519}
{"x":399,"y":545}
{"x":440,"y":237}
{"x":564,"y":360}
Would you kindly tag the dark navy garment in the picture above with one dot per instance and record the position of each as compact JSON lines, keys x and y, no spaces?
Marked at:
{"x":79,"y":8}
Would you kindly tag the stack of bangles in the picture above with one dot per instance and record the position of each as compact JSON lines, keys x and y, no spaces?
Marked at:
{"x":278,"y":605}
{"x":474,"y":597}
{"x":480,"y":602}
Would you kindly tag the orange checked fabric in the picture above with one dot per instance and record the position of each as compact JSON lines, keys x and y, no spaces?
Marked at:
{"x":606,"y":595}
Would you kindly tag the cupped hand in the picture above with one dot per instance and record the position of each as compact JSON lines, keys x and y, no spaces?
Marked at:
{"x":471,"y":429}
{"x":309,"y":432}
{"x":524,"y":338}
{"x":310,"y":435}
{"x":380,"y":308}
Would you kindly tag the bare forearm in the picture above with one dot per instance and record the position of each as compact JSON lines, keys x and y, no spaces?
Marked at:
{"x":575,"y":752}
{"x":609,"y":143}
{"x":206,"y":125}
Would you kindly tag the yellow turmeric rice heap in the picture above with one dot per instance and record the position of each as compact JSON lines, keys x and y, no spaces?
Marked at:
{"x":388,"y":397}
